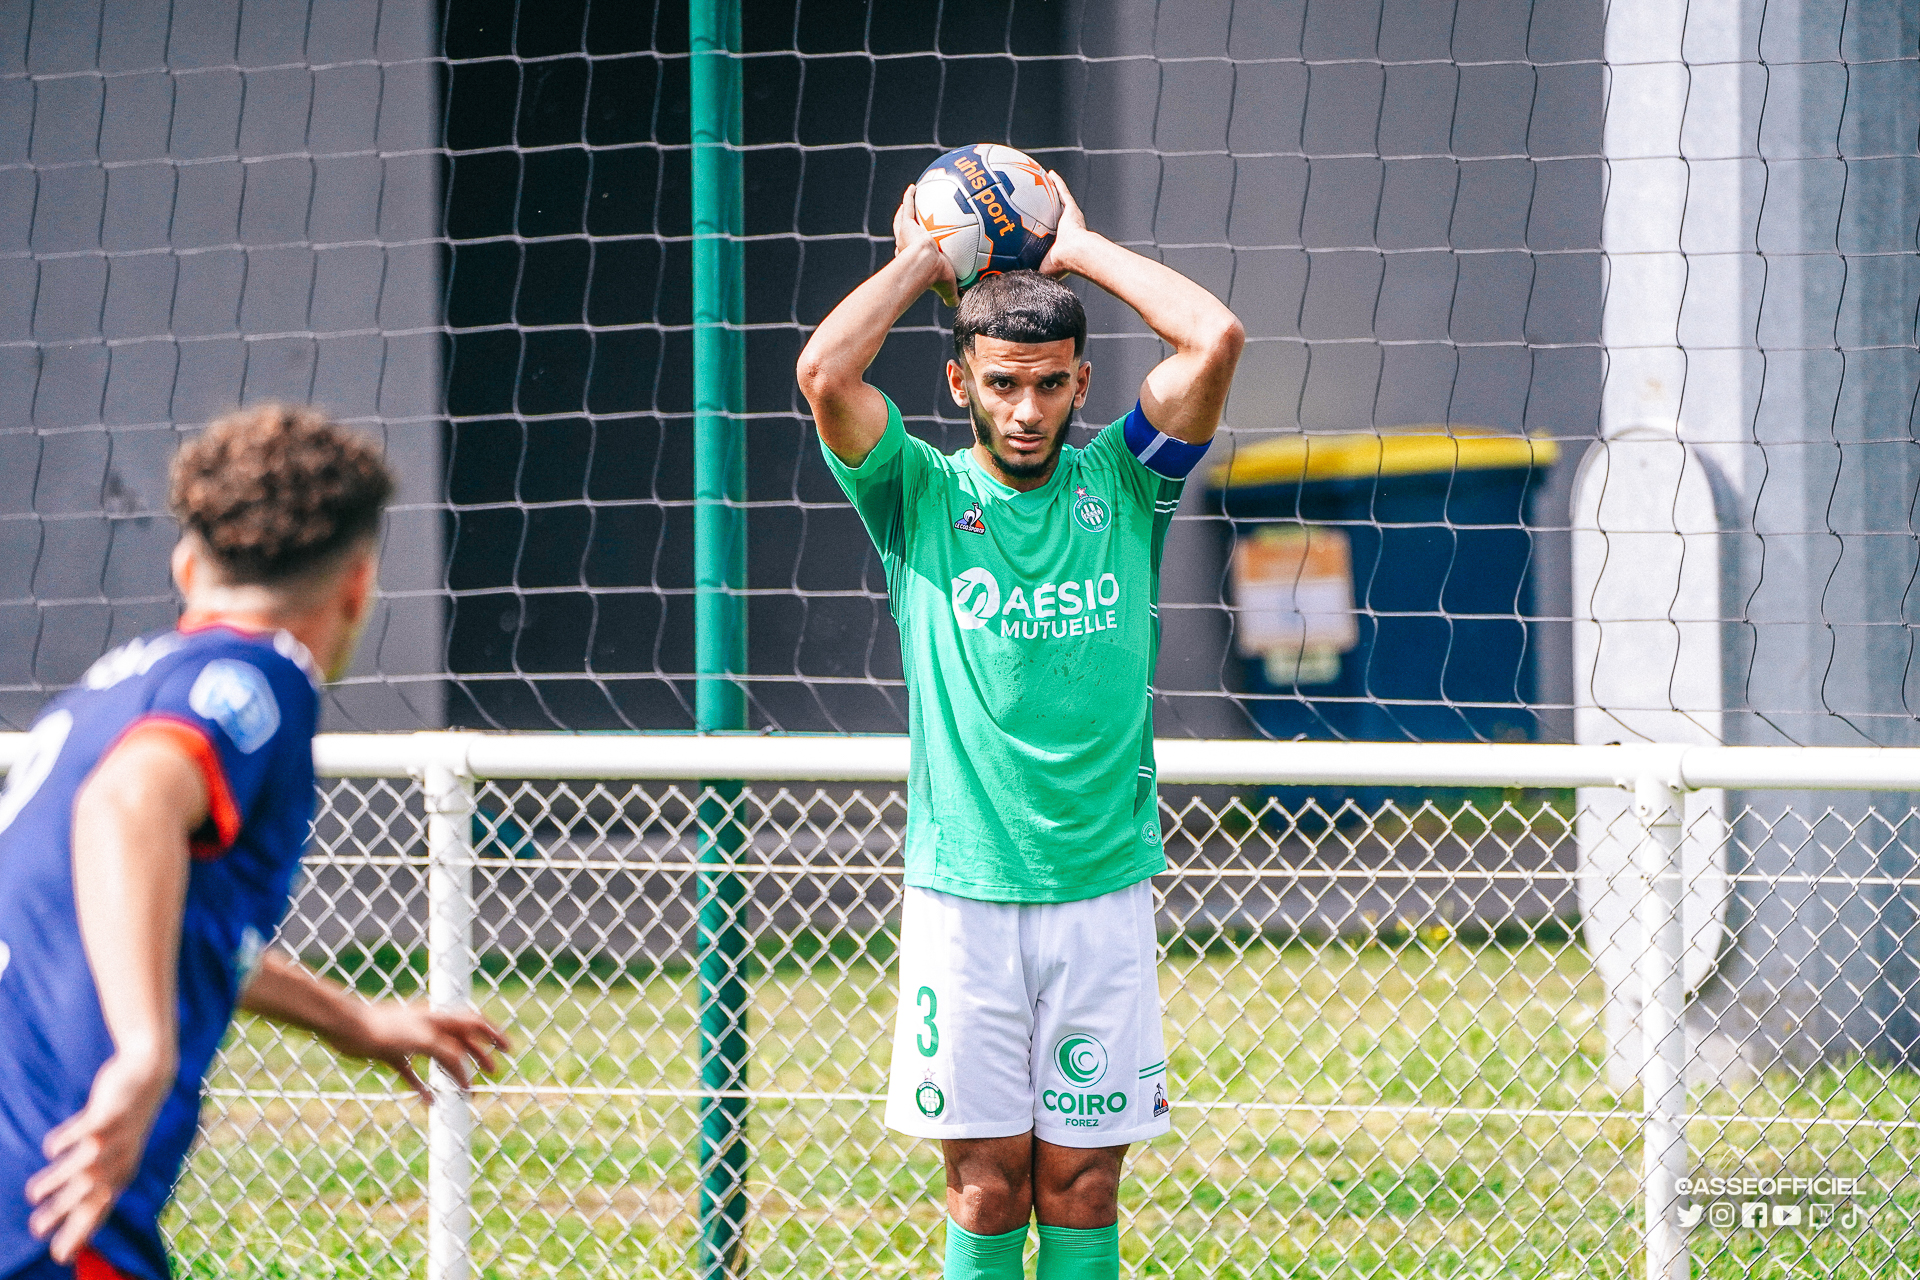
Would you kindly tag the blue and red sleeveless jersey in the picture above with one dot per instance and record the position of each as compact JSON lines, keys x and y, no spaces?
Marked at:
{"x":241,"y":704}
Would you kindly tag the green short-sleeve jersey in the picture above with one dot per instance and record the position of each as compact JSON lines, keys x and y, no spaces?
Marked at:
{"x":1029,"y":626}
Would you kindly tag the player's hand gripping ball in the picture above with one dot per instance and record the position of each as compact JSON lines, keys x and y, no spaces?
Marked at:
{"x":989,"y":208}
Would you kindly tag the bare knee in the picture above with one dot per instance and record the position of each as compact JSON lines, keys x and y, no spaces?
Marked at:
{"x":990,"y":1183}
{"x":1077,"y":1188}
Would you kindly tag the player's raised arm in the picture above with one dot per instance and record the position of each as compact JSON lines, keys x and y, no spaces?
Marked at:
{"x":1184,"y":394}
{"x":851,"y":415}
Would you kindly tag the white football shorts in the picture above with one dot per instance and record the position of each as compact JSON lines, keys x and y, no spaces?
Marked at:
{"x":1029,"y":1016}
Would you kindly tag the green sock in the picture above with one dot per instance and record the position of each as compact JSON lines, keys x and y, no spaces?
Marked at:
{"x":1067,"y":1253}
{"x":972,"y":1257}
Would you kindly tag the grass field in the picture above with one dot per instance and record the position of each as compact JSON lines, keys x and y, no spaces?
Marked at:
{"x":1349,"y":1110}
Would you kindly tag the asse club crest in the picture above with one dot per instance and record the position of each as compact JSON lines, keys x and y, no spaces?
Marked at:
{"x":929,"y":1099}
{"x":1090,"y":511}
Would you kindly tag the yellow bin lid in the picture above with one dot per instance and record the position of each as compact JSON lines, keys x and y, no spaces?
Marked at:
{"x":1407,"y":451}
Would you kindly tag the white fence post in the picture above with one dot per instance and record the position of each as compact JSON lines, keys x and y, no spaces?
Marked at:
{"x":1660,"y":804}
{"x":449,"y":806}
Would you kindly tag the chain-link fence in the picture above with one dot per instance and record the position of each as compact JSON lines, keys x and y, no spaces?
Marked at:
{"x":1388,"y":1040}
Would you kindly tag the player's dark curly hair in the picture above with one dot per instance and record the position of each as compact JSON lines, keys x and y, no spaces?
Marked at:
{"x":275,"y":489}
{"x":1019,"y":306}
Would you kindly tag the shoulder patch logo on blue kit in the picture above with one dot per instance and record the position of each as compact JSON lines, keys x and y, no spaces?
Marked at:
{"x":1090,"y":512}
{"x":237,"y":697}
{"x":971,"y":521}
{"x":6,"y":958}
{"x":929,"y":1099}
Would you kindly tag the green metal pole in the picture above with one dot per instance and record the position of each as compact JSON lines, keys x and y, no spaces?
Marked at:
{"x":720,"y":616}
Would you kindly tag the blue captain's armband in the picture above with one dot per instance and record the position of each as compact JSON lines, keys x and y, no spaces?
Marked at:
{"x":1161,"y":454}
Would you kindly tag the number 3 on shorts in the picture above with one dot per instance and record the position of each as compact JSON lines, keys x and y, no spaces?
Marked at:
{"x":928,"y":1047}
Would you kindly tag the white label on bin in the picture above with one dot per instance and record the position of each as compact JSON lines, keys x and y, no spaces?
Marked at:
{"x":1293,"y":592}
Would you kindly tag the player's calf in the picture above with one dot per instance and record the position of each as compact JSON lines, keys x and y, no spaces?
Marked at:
{"x":1077,"y":1200}
{"x":990,"y":1183}
{"x":995,"y":1184}
{"x":1077,"y":1187}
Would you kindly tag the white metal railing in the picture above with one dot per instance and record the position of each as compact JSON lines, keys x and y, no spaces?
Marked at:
{"x":883,"y":758}
{"x":447,"y":767}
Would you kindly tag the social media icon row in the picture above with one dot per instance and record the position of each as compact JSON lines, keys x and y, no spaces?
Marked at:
{"x":1754,"y":1214}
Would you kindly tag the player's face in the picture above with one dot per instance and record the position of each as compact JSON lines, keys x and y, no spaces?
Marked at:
{"x":1021,"y":396}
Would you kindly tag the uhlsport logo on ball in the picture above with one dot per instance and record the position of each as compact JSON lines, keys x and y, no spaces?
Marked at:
{"x":1081,"y":1059}
{"x":990,"y":209}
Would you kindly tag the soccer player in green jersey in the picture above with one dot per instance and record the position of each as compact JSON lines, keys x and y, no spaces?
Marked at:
{"x":1024,"y":574}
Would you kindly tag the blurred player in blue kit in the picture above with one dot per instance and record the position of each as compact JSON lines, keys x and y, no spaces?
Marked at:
{"x":149,"y":841}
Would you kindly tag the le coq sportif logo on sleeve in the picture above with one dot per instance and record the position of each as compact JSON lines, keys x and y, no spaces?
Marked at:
{"x":976,"y":598}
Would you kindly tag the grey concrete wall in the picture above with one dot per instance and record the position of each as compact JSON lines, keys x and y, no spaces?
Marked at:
{"x":1408,"y":240}
{"x":1763,"y":201}
{"x":220,"y":200}
{"x":202,"y":205}
{"x":1821,"y":603}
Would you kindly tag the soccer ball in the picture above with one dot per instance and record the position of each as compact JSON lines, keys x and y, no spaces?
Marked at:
{"x":989,"y":208}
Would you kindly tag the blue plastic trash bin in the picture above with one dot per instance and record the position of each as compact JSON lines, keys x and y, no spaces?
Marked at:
{"x":1434,"y":524}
